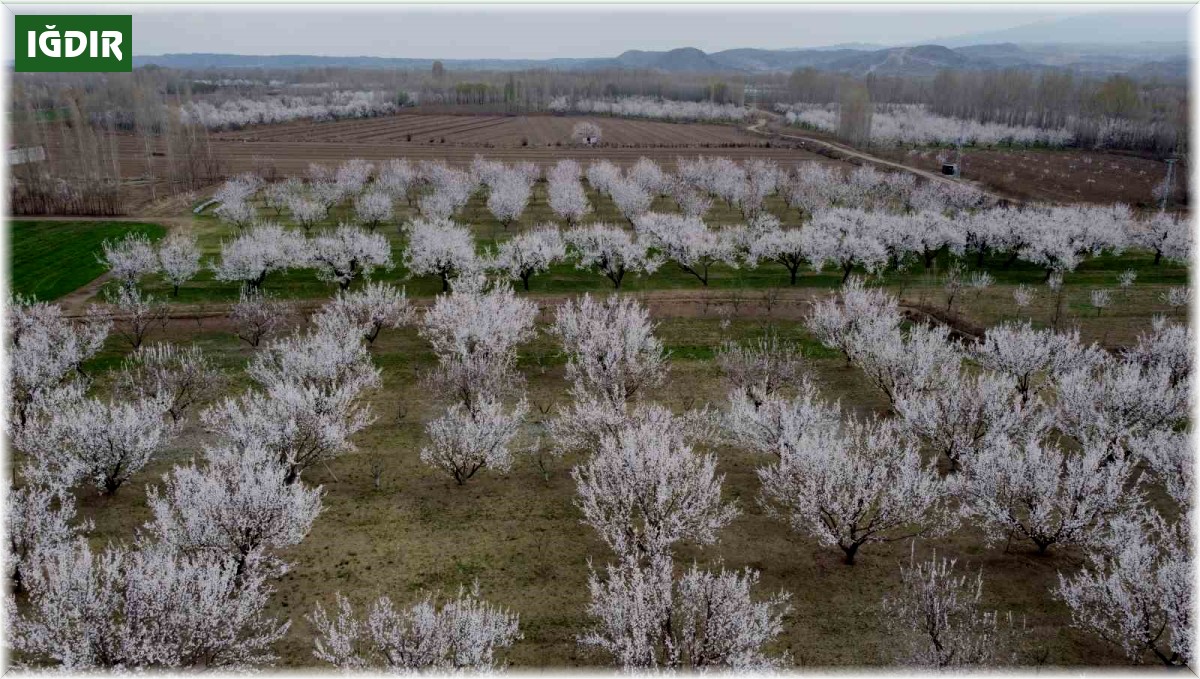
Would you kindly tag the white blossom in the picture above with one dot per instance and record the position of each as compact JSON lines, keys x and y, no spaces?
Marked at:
{"x":772,"y":424}
{"x":1107,"y":405}
{"x":611,"y":251}
{"x":611,"y":349}
{"x":398,"y":178}
{"x":130,"y":313}
{"x":143,"y":609}
{"x":1136,"y":589}
{"x":508,"y":197}
{"x":179,"y":259}
{"x":470,"y":437}
{"x":1027,"y":354}
{"x":130,"y":258}
{"x":301,"y":426}
{"x":235,"y":508}
{"x":863,"y":484}
{"x":305,"y":211}
{"x":845,"y":237}
{"x":258,"y":314}
{"x":631,"y":199}
{"x":261,"y":250}
{"x":1034,"y":491}
{"x":347,"y":253}
{"x":921,"y":359}
{"x":181,"y":377}
{"x":318,"y":358}
{"x":373,"y":208}
{"x":837,"y":319}
{"x":529,"y":253}
{"x":565,"y":193}
{"x":39,"y":520}
{"x":687,"y":242}
{"x":652,"y":107}
{"x":957,"y":419}
{"x":1176,"y":297}
{"x":462,"y":635}
{"x":1168,"y":345}
{"x":938,"y":614}
{"x":371,"y":308}
{"x":702,"y":621}
{"x":1165,"y":235}
{"x":46,"y":350}
{"x":439,"y":248}
{"x":645,"y":488}
{"x":1101,"y":299}
{"x":475,"y":331}
{"x":762,"y":368}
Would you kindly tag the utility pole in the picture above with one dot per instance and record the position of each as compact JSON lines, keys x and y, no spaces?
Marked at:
{"x":1170,"y":183}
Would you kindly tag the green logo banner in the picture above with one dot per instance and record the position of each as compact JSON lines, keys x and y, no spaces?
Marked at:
{"x":67,"y":43}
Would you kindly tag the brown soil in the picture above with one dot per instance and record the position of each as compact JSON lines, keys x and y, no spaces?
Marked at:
{"x":495,"y":131}
{"x":1060,"y":176}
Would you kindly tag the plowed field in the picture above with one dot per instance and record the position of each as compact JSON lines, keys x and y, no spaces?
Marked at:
{"x":496,"y":130}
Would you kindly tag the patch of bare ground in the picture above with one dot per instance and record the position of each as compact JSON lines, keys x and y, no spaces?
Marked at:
{"x":1055,"y":176}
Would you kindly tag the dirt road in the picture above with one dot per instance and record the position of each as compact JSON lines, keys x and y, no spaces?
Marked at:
{"x":847,"y":151}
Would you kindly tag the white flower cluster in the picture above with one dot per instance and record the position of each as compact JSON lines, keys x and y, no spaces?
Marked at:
{"x":649,"y":107}
{"x":896,"y":124}
{"x":331,"y":106}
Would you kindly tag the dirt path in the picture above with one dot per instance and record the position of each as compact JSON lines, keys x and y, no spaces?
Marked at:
{"x":777,"y":304}
{"x":781,"y":303}
{"x":847,"y":151}
{"x":74,"y":304}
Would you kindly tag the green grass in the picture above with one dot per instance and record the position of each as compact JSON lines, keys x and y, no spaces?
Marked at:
{"x":1129,"y":315}
{"x":52,"y":258}
{"x":566,"y":279}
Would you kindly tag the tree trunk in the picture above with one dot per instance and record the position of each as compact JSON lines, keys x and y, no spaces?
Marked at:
{"x":846,"y":276}
{"x":850,"y":552}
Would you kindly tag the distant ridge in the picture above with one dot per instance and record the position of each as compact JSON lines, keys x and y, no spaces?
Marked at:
{"x":1157,"y":59}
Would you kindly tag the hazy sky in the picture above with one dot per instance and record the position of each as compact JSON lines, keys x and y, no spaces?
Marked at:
{"x":529,"y":31}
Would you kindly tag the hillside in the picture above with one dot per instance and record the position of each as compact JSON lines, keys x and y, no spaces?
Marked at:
{"x":917,"y":60}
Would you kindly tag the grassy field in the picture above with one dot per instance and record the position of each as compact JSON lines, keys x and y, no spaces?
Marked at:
{"x":52,"y":258}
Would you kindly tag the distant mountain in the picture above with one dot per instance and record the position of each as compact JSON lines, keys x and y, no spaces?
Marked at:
{"x":1157,"y":59}
{"x":1002,"y":55}
{"x":683,"y":60}
{"x":919,"y":60}
{"x":1113,"y":28}
{"x":864,"y":46}
{"x":201,"y":61}
{"x":1164,"y":70}
{"x":753,"y":60}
